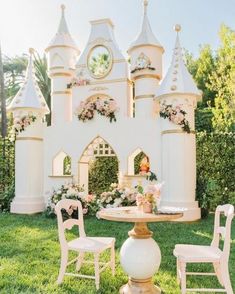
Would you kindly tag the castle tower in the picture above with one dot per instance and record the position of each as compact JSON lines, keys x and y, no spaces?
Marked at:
{"x":62,"y":55}
{"x":146,"y":67}
{"x":179,"y":91}
{"x":29,"y":106}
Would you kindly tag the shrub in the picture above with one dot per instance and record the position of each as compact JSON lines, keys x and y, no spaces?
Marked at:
{"x":215,"y":169}
{"x":7,"y":173}
{"x":102,"y":173}
{"x":75,"y":192}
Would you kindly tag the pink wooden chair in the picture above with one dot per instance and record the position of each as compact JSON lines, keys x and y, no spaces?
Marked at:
{"x":208,"y":254}
{"x":82,"y":244}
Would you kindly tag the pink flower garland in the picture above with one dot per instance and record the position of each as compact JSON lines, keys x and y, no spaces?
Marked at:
{"x":176,"y":115}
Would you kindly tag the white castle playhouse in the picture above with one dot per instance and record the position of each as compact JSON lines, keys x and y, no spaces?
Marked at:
{"x":103,"y":77}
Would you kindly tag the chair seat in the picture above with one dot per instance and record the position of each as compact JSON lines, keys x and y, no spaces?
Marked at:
{"x":90,"y":244}
{"x":197,"y":253}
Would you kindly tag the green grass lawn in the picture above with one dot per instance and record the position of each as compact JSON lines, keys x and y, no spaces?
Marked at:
{"x":30,"y":255}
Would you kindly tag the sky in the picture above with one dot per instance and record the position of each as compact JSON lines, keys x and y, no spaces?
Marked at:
{"x":33,"y":23}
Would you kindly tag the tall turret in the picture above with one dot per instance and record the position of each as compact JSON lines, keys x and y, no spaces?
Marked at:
{"x":179,"y":93}
{"x":146,"y":66}
{"x":62,"y":55}
{"x":29,"y":108}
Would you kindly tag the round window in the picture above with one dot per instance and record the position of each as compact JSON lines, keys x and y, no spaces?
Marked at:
{"x":99,"y":61}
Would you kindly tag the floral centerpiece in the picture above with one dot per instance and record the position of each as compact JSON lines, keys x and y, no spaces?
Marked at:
{"x":105,"y":107}
{"x":148,"y":197}
{"x":20,"y":124}
{"x":176,"y":115}
{"x":117,"y":196}
{"x":72,"y":191}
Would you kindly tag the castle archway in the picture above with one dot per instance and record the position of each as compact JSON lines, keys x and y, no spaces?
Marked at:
{"x":98,"y":149}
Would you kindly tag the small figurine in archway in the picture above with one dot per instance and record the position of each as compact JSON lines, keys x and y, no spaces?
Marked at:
{"x":144,"y":165}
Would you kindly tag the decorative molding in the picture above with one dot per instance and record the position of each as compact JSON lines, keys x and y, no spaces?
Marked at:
{"x":110,"y":81}
{"x":144,"y":96}
{"x":56,"y":67}
{"x":148,"y":45}
{"x":100,"y":41}
{"x":52,"y":75}
{"x":61,"y":176}
{"x":98,"y":89}
{"x":147,"y":76}
{"x":29,"y":138}
{"x":61,"y":46}
{"x":176,"y":132}
{"x":119,"y":60}
{"x":61,"y":92}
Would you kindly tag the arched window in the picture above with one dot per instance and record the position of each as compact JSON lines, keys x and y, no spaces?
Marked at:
{"x":138,"y":162}
{"x":61,"y":164}
{"x":67,"y":166}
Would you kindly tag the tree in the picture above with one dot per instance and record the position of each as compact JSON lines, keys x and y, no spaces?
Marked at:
{"x":223,"y":82}
{"x":14,"y":70}
{"x":201,"y":69}
{"x":43,"y":80}
{"x":3,"y":100}
{"x":214,"y":74}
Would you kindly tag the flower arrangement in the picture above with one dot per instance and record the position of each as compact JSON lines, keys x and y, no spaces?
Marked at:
{"x":117,"y":196}
{"x":78,"y":83}
{"x":148,"y":197}
{"x":104,"y":107}
{"x":20,"y":124}
{"x":72,"y":191}
{"x":175,"y":115}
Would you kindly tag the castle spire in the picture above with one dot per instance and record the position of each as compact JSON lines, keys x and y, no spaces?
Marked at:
{"x":178,"y":79}
{"x":145,"y":6}
{"x":29,"y":96}
{"x":62,"y":37}
{"x":146,"y":36}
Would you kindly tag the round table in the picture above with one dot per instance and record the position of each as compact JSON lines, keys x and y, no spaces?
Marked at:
{"x":140,"y":255}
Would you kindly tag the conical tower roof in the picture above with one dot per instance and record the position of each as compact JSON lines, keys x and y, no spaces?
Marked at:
{"x":178,"y":79}
{"x":62,"y":37}
{"x":146,"y":35}
{"x":29,"y":96}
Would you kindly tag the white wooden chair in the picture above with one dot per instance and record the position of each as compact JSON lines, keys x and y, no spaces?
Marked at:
{"x":208,"y":254}
{"x":82,"y":244}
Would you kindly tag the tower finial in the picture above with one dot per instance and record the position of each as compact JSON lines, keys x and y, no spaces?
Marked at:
{"x":31,"y":51}
{"x":145,"y":6}
{"x":177,"y":28}
{"x":62,"y":9}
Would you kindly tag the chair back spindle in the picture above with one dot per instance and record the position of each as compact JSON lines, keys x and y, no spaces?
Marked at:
{"x":223,"y":231}
{"x":68,"y":224}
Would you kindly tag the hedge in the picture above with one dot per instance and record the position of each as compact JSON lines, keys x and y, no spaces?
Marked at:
{"x":215,"y":169}
{"x":7,"y":173}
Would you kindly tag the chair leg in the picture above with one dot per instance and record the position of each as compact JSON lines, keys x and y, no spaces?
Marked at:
{"x":63,"y":265}
{"x":182,"y":266}
{"x":226,"y":280}
{"x":97,"y":271}
{"x":217,"y":269}
{"x":178,"y":271}
{"x":113,"y":259}
{"x":80,"y":260}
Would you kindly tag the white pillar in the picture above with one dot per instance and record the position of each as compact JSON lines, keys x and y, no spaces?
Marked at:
{"x":29,"y":171}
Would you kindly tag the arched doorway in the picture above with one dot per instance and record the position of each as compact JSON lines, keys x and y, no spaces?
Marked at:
{"x":99,"y":151}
